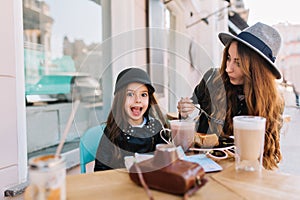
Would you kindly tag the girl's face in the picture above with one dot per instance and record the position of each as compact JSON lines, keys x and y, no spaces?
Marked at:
{"x":233,"y":66}
{"x":136,"y":103}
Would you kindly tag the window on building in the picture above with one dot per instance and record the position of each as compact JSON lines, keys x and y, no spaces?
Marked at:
{"x":61,"y":61}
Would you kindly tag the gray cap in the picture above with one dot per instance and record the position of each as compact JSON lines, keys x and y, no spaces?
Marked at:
{"x":131,"y":75}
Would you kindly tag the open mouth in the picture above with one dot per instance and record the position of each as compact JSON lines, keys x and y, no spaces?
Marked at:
{"x":136,"y":110}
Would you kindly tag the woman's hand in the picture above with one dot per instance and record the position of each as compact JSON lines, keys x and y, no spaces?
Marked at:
{"x":185,"y":107}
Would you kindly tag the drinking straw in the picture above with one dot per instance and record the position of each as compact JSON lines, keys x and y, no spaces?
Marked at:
{"x":68,"y":126}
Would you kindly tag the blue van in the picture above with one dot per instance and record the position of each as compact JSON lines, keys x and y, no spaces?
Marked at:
{"x":64,"y":88}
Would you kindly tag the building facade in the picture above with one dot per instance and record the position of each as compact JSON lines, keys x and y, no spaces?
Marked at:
{"x":289,"y":59}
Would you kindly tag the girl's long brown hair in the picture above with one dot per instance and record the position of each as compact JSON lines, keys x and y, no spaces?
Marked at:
{"x":262,"y":98}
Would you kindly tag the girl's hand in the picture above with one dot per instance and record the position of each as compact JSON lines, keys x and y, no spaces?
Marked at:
{"x":185,"y":107}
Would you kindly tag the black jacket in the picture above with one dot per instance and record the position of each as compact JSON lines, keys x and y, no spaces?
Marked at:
{"x":204,"y":96}
{"x":110,"y":155}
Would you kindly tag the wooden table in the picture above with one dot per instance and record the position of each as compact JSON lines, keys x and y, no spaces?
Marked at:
{"x":228,"y":184}
{"x":116,"y":184}
{"x":264,"y":185}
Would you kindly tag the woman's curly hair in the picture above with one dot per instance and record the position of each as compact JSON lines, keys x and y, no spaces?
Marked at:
{"x":262,"y":99}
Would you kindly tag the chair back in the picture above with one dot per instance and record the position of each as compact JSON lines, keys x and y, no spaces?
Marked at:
{"x":88,"y":145}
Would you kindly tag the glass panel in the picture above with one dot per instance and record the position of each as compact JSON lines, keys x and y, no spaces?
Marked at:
{"x":61,"y":58}
{"x":58,"y":38}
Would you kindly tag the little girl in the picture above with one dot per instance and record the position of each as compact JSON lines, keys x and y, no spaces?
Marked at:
{"x":134,"y":122}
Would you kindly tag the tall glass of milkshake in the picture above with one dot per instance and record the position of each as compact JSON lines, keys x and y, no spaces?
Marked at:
{"x":249,"y":137}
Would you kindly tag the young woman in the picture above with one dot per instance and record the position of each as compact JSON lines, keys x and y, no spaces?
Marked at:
{"x":134,"y":122}
{"x":243,"y":85}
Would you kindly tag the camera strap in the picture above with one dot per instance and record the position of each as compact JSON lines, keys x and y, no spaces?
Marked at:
{"x":142,"y":181}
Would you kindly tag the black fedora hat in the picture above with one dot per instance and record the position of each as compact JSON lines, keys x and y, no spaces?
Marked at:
{"x":263,"y":39}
